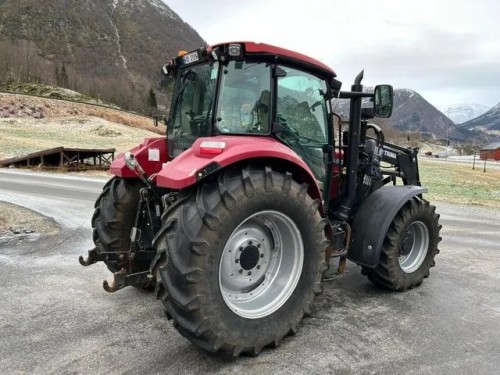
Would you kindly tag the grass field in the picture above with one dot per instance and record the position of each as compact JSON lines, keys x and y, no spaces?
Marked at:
{"x":456,"y":183}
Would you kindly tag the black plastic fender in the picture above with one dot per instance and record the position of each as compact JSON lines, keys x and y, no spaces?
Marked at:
{"x":372,"y":220}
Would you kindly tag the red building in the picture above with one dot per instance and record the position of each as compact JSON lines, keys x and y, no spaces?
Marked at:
{"x":491,"y":151}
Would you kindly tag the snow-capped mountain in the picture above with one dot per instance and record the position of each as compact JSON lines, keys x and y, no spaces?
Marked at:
{"x":460,"y":113}
{"x":488,"y":122}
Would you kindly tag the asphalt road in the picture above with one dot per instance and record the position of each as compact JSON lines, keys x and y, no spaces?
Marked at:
{"x":56,"y":318}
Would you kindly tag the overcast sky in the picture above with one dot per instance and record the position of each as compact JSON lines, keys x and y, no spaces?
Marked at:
{"x":447,"y":50}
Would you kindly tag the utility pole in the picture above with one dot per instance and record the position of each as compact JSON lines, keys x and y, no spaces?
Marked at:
{"x":447,"y":134}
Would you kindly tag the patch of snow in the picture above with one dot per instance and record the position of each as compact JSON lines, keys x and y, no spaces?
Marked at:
{"x":163,"y":8}
{"x":408,"y":92}
{"x":118,"y":43}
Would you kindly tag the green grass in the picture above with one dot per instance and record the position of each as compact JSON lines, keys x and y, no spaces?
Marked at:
{"x":455,"y":183}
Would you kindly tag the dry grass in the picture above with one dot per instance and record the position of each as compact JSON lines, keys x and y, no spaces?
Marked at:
{"x":455,"y":183}
{"x":23,"y":136}
{"x":127,"y":119}
{"x":61,"y":109}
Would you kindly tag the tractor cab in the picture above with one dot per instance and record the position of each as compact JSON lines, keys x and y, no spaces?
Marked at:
{"x":249,"y":89}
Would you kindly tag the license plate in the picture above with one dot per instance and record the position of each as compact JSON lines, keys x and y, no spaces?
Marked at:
{"x":190,"y":58}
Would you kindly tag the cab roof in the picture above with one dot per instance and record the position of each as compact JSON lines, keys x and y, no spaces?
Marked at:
{"x":253,"y":48}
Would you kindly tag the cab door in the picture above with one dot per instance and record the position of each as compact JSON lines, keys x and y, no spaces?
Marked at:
{"x":302,"y":112}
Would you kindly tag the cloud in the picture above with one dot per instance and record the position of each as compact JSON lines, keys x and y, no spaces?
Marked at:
{"x":431,"y":46}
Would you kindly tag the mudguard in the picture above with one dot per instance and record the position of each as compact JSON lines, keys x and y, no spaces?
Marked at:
{"x":193,"y":164}
{"x":151,"y":154}
{"x":372,"y":220}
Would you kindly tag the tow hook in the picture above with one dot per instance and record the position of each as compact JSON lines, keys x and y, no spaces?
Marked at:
{"x":121,"y":280}
{"x":91,"y":259}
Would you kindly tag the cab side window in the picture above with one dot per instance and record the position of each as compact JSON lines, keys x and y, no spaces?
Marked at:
{"x":301,"y":104}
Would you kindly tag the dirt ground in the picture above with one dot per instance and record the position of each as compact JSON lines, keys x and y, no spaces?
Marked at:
{"x":16,"y":221}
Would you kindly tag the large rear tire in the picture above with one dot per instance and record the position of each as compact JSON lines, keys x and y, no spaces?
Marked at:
{"x":113,"y":219}
{"x":409,"y":248}
{"x":245,"y":260}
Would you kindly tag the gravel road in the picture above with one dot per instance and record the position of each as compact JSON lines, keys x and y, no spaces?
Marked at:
{"x":56,"y":318}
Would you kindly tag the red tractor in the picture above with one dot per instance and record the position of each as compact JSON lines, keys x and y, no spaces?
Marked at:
{"x":236,"y":216}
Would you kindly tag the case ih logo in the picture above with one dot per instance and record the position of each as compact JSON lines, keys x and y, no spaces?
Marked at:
{"x":390,"y":154}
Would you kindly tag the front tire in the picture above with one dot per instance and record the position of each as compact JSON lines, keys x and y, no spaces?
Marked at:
{"x":245,"y":260}
{"x":409,"y":248}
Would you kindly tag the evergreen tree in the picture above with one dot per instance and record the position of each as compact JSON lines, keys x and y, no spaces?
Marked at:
{"x":58,"y":76}
{"x":64,"y":77}
{"x":152,"y":99}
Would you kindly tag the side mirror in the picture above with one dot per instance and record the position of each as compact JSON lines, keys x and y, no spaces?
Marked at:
{"x":383,"y":101}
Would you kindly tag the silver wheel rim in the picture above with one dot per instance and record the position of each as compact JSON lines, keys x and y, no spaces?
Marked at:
{"x":416,"y":244}
{"x":261,"y":264}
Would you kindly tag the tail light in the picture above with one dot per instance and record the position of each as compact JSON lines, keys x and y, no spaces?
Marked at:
{"x":212,"y":147}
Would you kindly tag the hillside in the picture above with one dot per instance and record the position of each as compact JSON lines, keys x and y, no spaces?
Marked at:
{"x":29,"y":124}
{"x":112,"y":49}
{"x":413,"y":113}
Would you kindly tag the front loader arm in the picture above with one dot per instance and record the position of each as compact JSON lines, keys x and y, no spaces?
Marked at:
{"x":402,"y":161}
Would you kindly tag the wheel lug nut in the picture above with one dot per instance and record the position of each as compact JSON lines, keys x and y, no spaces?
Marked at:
{"x":249,"y":273}
{"x":250,"y":242}
{"x":262,"y":255}
{"x":259,"y":245}
{"x":237,"y":260}
{"x":241,"y":248}
{"x":240,"y":271}
{"x":258,"y":267}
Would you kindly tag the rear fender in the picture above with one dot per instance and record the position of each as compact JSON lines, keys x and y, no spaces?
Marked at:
{"x":151,"y":154}
{"x":372,"y":220}
{"x":192,"y":166}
